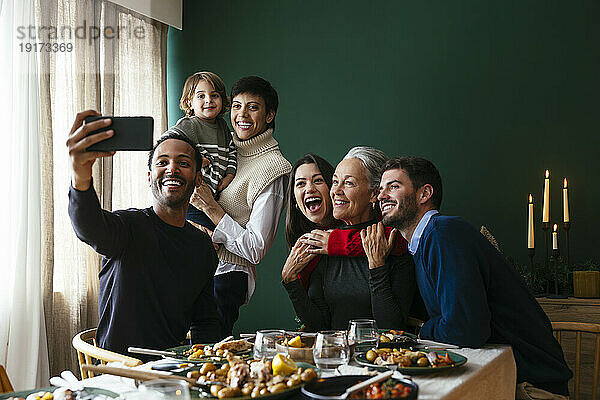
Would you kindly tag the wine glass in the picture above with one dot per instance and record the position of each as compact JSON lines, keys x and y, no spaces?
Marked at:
{"x":331,"y":349}
{"x":265,"y":343}
{"x":362,"y":332}
{"x":159,"y":389}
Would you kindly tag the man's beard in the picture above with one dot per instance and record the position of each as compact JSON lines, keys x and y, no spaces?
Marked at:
{"x":406,"y":215}
{"x":172,"y":201}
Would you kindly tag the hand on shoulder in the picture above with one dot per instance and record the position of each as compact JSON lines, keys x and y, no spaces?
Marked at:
{"x":376,"y":245}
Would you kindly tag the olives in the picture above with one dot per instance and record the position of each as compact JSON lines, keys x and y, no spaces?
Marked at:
{"x":194,"y":374}
{"x":207,"y":367}
{"x":214,"y":390}
{"x":227,"y":392}
{"x":371,"y":355}
{"x":308,"y":375}
{"x":423,"y":362}
{"x":384,"y":339}
{"x":233,"y":379}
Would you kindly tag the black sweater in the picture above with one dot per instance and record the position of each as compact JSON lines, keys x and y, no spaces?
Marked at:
{"x":156,"y":280}
{"x":344,"y":288}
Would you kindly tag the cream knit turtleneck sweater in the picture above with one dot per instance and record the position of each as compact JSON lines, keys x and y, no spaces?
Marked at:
{"x":259,"y":163}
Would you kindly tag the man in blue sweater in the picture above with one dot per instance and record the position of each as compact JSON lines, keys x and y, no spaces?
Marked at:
{"x":472,"y":294}
{"x":156,"y":280}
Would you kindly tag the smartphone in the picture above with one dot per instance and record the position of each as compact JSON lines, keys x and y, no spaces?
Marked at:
{"x":131,"y":133}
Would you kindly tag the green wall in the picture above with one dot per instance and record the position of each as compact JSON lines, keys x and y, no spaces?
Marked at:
{"x":492,"y":92}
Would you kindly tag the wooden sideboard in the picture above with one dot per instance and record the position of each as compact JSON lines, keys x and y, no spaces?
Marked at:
{"x":571,"y":309}
{"x":576,"y":310}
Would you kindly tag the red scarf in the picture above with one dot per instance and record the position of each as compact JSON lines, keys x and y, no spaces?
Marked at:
{"x":347,"y":242}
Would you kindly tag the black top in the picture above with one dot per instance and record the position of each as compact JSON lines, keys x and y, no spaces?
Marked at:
{"x":344,"y":288}
{"x":156,"y":280}
{"x":474,"y":296}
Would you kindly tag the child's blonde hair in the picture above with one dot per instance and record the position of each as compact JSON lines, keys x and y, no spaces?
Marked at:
{"x":190,"y":86}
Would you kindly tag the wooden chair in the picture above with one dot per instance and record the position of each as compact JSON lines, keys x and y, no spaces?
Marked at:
{"x":88,"y":352}
{"x":5,"y":385}
{"x":579,"y":328}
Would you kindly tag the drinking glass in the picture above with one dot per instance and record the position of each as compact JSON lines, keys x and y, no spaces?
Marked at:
{"x":265,"y":343}
{"x":331,"y":349}
{"x":162,"y":389}
{"x":363,"y":333}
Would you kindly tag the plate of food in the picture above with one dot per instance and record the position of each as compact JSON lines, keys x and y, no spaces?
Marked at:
{"x":410,"y":362}
{"x":246,"y":379}
{"x":333,"y":388}
{"x":211,"y":353}
{"x":54,"y":393}
{"x":299,"y":348}
{"x":396,"y":340}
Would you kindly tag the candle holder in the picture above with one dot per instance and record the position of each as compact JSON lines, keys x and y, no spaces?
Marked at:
{"x":556,"y":295}
{"x":531,"y":254}
{"x":546,"y":228}
{"x":566,"y":226}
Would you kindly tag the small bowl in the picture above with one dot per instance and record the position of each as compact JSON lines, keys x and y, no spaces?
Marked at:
{"x":333,"y":388}
{"x":303,"y":354}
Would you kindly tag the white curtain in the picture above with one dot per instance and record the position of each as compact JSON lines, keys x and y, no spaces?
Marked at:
{"x":23,"y":347}
{"x":123,"y":75}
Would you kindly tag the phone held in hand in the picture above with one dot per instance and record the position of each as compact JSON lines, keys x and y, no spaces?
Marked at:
{"x":131,"y":133}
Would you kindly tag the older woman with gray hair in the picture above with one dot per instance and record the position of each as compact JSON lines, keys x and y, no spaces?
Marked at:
{"x":378,"y":286}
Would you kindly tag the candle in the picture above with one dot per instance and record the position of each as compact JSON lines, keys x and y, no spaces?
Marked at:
{"x":565,"y":202}
{"x":555,"y":238}
{"x":546,"y":206}
{"x":530,"y":240}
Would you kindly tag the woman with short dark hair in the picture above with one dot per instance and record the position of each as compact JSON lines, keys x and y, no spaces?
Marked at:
{"x":248,"y":210}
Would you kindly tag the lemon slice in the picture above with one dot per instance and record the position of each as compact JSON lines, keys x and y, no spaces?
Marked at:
{"x":283,"y":365}
{"x":295,"y":342}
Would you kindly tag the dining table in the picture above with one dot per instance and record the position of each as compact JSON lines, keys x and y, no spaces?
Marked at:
{"x":489,"y":373}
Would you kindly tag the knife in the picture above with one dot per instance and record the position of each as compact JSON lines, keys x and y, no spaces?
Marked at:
{"x":151,"y":352}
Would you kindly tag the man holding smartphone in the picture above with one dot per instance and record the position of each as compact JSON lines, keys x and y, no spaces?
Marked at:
{"x":156,"y":279}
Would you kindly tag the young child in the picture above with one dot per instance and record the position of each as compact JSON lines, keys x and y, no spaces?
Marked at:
{"x":204,"y":101}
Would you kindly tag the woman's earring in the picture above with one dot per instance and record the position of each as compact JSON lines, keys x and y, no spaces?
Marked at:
{"x":297,"y":208}
{"x":374,"y":205}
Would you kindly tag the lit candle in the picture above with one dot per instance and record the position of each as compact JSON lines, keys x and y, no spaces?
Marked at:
{"x":530,"y":240}
{"x":555,"y":238}
{"x":565,"y":203}
{"x":546,"y":206}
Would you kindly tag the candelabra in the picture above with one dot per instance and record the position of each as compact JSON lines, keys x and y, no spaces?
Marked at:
{"x":546,"y":228}
{"x":556,"y":295}
{"x":566,"y":226}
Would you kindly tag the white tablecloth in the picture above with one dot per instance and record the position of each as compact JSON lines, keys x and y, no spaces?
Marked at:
{"x":489,"y":374}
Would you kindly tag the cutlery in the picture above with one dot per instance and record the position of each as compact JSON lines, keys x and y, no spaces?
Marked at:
{"x":136,"y":374}
{"x":151,"y":352}
{"x":145,"y":375}
{"x":361,"y":385}
{"x":223,"y":341}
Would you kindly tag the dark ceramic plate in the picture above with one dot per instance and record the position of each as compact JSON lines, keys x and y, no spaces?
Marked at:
{"x":90,"y":390}
{"x":182,"y":349}
{"x":332,"y":388}
{"x":457,"y":358}
{"x":195,"y":393}
{"x":399,"y":342}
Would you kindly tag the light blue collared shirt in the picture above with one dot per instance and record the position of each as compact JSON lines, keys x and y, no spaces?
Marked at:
{"x":416,"y":236}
